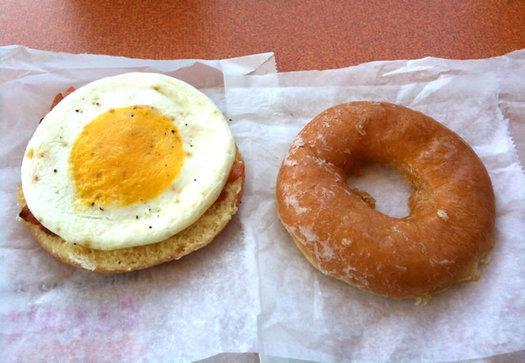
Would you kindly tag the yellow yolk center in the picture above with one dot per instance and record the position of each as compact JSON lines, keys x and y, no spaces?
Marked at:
{"x":125,"y":156}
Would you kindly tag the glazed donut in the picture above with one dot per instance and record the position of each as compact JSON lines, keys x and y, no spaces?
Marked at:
{"x":452,"y":209}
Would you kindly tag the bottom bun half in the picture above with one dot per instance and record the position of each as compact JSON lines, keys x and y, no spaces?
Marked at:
{"x":196,"y":236}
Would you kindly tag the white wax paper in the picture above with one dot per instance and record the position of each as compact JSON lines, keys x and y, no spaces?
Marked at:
{"x":202,"y":305}
{"x":251,"y":290}
{"x":306,"y":315}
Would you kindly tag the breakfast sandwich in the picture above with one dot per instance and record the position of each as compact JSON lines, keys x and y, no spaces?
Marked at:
{"x":128,"y":172}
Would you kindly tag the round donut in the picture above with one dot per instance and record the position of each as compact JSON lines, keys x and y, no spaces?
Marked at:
{"x":452,"y":209}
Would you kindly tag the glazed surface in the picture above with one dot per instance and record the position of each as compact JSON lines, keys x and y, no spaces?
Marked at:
{"x":452,"y":208}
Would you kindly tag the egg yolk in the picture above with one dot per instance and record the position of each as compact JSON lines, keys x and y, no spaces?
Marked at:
{"x":125,"y":156}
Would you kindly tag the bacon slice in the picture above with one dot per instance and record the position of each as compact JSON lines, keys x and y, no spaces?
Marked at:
{"x":27,"y":216}
{"x":237,"y":171}
{"x":59,"y":97}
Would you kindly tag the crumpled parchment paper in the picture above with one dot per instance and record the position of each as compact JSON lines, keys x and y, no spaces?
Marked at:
{"x":191,"y":309}
{"x":306,"y":315}
{"x":251,"y":290}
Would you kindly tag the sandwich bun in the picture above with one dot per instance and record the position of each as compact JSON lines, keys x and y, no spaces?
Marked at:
{"x":128,"y":172}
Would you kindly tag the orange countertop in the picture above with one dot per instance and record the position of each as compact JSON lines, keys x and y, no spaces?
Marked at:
{"x":303,"y":34}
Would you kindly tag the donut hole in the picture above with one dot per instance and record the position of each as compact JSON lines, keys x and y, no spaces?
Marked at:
{"x":384,"y":184}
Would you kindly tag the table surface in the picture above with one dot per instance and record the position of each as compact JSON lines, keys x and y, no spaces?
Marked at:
{"x":305,"y":35}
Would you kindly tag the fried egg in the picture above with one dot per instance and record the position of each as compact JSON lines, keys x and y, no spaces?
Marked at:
{"x":126,"y":161}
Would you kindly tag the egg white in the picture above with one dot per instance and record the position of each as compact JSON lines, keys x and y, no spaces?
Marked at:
{"x":50,"y":191}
